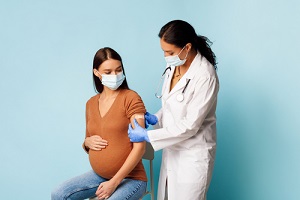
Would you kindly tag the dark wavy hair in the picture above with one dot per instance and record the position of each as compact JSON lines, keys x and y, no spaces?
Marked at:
{"x":102,"y":55}
{"x":179,"y":33}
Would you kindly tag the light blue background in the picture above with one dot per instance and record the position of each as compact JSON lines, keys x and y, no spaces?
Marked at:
{"x":47,"y":48}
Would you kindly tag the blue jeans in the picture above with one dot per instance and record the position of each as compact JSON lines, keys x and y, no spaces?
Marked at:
{"x":85,"y":186}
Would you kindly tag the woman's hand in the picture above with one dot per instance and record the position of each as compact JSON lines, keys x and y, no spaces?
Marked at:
{"x":95,"y":142}
{"x":105,"y":189}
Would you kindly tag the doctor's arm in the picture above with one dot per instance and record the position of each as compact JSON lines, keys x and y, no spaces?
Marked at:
{"x":159,"y":115}
{"x":204,"y":97}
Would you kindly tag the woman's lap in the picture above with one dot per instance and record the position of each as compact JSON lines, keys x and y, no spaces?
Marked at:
{"x":85,"y":186}
{"x":129,"y":189}
{"x":79,"y":187}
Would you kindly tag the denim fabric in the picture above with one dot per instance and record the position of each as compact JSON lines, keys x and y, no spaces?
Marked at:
{"x":85,"y":186}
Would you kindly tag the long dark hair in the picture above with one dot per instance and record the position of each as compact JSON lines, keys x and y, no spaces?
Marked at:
{"x":179,"y":33}
{"x":102,"y":55}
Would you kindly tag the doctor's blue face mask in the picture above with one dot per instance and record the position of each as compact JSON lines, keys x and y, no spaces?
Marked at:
{"x":175,"y":60}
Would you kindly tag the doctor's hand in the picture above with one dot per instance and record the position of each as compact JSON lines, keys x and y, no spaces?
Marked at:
{"x":150,"y":119}
{"x":138,"y":134}
{"x":95,"y":142}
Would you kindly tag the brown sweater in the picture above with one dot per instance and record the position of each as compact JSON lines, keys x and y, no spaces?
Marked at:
{"x":113,"y":127}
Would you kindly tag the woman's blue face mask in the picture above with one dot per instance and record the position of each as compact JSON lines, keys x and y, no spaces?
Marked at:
{"x":113,"y":82}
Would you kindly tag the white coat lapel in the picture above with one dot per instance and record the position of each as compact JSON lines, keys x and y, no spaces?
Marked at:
{"x":179,"y":86}
{"x":167,"y":83}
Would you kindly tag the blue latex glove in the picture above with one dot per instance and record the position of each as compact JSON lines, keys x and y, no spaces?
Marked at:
{"x":150,"y":119}
{"x":138,"y":134}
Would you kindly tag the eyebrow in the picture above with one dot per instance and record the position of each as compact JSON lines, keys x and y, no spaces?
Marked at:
{"x":111,"y":69}
{"x":167,"y":51}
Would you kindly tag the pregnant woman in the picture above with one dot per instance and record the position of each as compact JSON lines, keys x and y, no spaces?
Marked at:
{"x":117,"y":169}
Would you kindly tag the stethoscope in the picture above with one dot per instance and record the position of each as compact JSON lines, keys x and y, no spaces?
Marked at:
{"x":179,"y":97}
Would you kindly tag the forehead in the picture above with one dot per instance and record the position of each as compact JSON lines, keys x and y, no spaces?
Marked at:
{"x":166,"y":47}
{"x":110,"y":64}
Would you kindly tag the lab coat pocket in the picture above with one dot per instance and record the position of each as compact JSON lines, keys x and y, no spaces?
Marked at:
{"x":193,"y":166}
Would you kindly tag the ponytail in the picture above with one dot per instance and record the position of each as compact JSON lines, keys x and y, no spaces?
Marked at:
{"x":203,"y":46}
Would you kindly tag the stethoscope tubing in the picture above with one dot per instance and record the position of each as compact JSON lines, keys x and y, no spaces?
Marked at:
{"x":162,"y":76}
{"x":186,"y":85}
{"x":180,"y":96}
{"x":168,"y":68}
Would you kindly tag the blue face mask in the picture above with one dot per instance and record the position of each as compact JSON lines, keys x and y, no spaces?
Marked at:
{"x":175,"y":60}
{"x":113,"y":82}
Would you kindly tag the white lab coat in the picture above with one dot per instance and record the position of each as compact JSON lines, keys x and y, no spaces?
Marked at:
{"x":187,"y":132}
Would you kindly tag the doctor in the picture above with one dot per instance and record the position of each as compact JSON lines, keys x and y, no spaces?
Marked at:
{"x":185,"y":126}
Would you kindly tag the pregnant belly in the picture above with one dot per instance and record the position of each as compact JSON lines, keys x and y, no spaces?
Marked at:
{"x":107,"y":162}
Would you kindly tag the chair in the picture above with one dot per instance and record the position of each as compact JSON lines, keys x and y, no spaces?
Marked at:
{"x":149,"y":156}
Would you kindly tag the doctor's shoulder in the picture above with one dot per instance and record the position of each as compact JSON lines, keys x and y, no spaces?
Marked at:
{"x":206,"y":68}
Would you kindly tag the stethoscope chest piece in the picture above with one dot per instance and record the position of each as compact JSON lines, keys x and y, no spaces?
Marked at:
{"x":180,"y":97}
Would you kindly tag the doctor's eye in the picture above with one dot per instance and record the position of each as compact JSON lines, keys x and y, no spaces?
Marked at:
{"x":168,"y":53}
